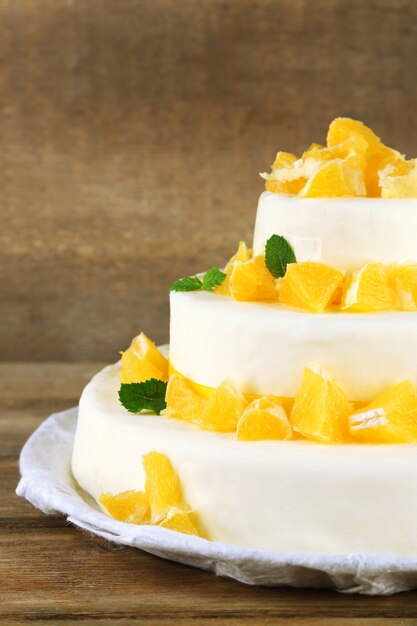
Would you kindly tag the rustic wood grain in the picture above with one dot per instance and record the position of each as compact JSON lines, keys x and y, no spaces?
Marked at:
{"x":52,"y":573}
{"x":131,"y":134}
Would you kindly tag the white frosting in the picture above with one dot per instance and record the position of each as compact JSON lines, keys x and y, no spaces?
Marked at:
{"x":343,"y":232}
{"x":265,"y":347}
{"x":291,"y":495}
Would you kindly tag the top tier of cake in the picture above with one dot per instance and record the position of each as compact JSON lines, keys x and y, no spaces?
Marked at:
{"x":342,"y":232}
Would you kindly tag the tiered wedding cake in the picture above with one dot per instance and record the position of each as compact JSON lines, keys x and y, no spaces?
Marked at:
{"x":279,"y":420}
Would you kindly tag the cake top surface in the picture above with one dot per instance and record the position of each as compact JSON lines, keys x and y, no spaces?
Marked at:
{"x":354,"y":163}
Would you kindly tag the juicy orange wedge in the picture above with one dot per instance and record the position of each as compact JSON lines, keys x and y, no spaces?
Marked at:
{"x":242,"y":254}
{"x":321,"y":409}
{"x":335,"y":178}
{"x":400,"y":181}
{"x":369,"y":290}
{"x":377,"y":155}
{"x":162,"y":486}
{"x":223,"y":408}
{"x":263,"y":419}
{"x":142,"y":361}
{"x":183,"y":402}
{"x":354,"y":145}
{"x":344,"y":128}
{"x":403,"y":278}
{"x":183,"y":521}
{"x":128,"y":506}
{"x":310,"y":285}
{"x":390,"y":418}
{"x":251,"y":280}
{"x":283,"y":159}
{"x":293,"y":186}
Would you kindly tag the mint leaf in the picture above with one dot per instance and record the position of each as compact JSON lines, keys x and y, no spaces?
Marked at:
{"x":149,"y":395}
{"x":213,"y":278}
{"x":189,"y":283}
{"x":278,"y":253}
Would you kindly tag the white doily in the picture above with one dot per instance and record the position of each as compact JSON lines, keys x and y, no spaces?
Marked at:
{"x":47,"y":483}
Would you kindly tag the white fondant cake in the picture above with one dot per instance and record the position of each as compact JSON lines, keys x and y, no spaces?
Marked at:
{"x":289,"y":495}
{"x":292,"y":495}
{"x":264,"y":347}
{"x":342,"y":232}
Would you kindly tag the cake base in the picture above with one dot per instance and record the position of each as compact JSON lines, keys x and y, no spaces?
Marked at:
{"x":293,"y":495}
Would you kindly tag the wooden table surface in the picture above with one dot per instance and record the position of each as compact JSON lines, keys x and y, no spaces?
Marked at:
{"x":52,"y":573}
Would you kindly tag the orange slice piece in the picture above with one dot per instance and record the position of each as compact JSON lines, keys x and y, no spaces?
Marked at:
{"x":142,"y":361}
{"x":263,"y":419}
{"x":251,"y":280}
{"x":286,"y":186}
{"x":223,"y":408}
{"x":242,"y":254}
{"x":312,"y":150}
{"x":390,"y":418}
{"x":321,"y":409}
{"x":354,"y":145}
{"x":335,"y":178}
{"x":183,"y":402}
{"x":400,"y":180}
{"x":344,"y":128}
{"x":183,"y":522}
{"x":403,"y":278}
{"x":369,"y":290}
{"x":377,"y":155}
{"x":162,"y":486}
{"x":283,"y":159}
{"x":310,"y":285}
{"x":128,"y":506}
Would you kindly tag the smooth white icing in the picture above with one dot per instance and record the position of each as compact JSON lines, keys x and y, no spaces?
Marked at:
{"x":343,"y":232}
{"x":291,"y":495}
{"x":265,"y":347}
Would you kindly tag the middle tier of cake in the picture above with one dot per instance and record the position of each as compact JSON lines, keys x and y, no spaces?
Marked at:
{"x":264,"y":347}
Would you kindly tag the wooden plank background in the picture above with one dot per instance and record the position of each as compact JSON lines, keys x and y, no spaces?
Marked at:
{"x":132,"y":132}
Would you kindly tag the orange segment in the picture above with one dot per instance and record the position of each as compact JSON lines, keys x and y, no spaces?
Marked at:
{"x":354,"y":145}
{"x":285,"y":186}
{"x":183,"y":522}
{"x":263,"y":419}
{"x":310,"y":286}
{"x":242,"y":254}
{"x":377,"y":154}
{"x":162,"y":485}
{"x":292,"y":178}
{"x":403,"y":278}
{"x":312,"y":150}
{"x":142,"y":361}
{"x":251,"y":280}
{"x":223,"y":409}
{"x":321,"y":409}
{"x":335,"y":178}
{"x":390,"y":418}
{"x":182,"y":401}
{"x":375,"y":164}
{"x":369,"y":290}
{"x":343,"y":128}
{"x":401,"y":185}
{"x":128,"y":506}
{"x":283,"y":159}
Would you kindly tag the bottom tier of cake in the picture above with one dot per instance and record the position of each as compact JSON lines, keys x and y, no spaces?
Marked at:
{"x":272,"y":495}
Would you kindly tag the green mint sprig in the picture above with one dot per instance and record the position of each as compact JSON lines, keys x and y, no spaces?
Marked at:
{"x":211,"y":279}
{"x":149,"y":395}
{"x":189,"y":283}
{"x":278,"y":254}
